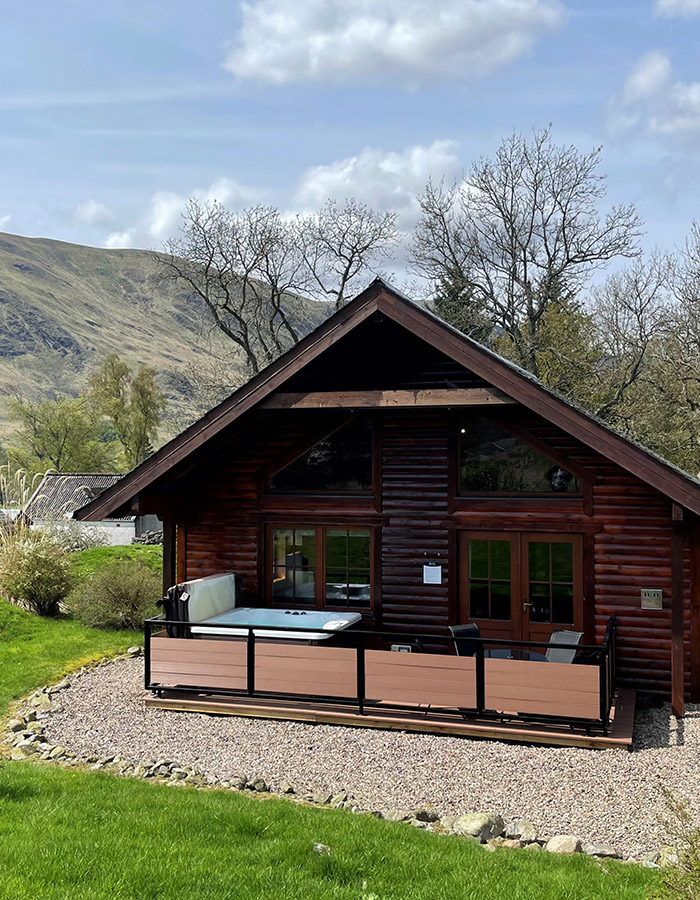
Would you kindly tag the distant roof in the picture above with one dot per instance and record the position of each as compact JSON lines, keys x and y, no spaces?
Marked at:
{"x":59,"y":494}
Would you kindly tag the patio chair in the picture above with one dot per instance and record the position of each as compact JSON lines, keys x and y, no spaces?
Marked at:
{"x":562,"y":654}
{"x":464,"y":638}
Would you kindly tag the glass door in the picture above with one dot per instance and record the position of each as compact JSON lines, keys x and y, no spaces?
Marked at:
{"x":521,"y":586}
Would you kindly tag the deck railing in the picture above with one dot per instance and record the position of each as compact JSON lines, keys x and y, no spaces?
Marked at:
{"x":349,"y":669}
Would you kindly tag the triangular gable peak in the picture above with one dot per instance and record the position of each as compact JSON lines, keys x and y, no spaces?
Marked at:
{"x":382,"y":341}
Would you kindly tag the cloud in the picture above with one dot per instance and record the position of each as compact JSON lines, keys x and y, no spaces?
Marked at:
{"x":387,"y":180}
{"x":410,"y":43}
{"x":684,"y":8}
{"x":90,"y":212}
{"x":5,"y":220}
{"x":161,"y":218}
{"x":654,"y":102}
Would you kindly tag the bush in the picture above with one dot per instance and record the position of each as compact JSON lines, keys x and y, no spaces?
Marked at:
{"x":35,"y":571}
{"x":680,"y":881}
{"x":121,"y":594}
{"x":74,"y":537}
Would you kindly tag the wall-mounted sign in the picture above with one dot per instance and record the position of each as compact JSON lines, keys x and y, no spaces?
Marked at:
{"x":432,"y":574}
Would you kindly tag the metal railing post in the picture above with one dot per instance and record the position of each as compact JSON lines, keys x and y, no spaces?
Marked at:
{"x":250,"y":662}
{"x":480,"y":686}
{"x":361,"y":676}
{"x":147,"y":655}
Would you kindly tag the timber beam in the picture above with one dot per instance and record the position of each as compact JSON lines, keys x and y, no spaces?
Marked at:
{"x":387,"y":399}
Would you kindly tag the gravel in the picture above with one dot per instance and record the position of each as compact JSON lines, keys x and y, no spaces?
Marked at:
{"x":599,"y":795}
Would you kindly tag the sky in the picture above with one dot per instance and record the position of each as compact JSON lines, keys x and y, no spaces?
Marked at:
{"x":113,"y":114}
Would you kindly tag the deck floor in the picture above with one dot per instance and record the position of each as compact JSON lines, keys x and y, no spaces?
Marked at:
{"x":422,"y":719}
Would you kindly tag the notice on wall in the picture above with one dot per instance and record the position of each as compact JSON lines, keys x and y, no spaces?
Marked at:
{"x":432,"y":574}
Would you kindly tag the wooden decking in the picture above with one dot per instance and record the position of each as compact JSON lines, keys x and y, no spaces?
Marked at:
{"x":423,"y":719}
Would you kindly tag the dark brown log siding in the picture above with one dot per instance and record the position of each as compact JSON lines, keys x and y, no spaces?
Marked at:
{"x":630,"y":528}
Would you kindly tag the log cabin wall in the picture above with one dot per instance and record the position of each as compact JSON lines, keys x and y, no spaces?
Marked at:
{"x":627,"y":543}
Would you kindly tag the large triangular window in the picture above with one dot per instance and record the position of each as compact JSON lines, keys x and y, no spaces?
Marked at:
{"x":340,"y":463}
{"x":492,"y":460}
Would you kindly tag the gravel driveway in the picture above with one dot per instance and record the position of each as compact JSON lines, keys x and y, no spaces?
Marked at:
{"x":599,"y":795}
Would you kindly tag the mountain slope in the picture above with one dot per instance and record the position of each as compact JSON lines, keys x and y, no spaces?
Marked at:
{"x":63,"y":307}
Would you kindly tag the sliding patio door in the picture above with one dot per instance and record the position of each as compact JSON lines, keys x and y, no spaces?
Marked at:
{"x":521,"y":586}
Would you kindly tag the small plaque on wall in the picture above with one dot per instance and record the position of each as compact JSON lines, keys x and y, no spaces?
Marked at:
{"x":432,"y":574}
{"x":652,"y":598}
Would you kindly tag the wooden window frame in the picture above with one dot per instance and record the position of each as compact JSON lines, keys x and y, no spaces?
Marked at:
{"x":320,"y":563}
{"x":271,"y":495}
{"x":470,"y":499}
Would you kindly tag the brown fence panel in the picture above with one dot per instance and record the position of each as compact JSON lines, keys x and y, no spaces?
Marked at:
{"x":420,"y":678}
{"x":303,"y":669}
{"x":542,"y":688}
{"x":198,"y":663}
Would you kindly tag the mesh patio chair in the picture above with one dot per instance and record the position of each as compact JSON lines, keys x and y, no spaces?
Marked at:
{"x":562,"y":654}
{"x":463,"y":638}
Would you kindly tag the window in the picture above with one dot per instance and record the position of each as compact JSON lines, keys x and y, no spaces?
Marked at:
{"x":340,"y":463}
{"x":322,"y":567}
{"x":494,"y":461}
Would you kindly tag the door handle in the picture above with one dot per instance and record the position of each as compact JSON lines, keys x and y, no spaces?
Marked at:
{"x":526,"y":603}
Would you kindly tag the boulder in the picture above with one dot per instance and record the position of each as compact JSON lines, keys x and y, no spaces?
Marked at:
{"x":521,"y":830}
{"x":15,"y":725}
{"x":238,"y":782}
{"x":339,"y":799}
{"x":563,"y":843}
{"x":57,"y":752}
{"x":320,"y":797}
{"x":257,"y":784}
{"x":134,"y":651}
{"x":22,"y":751}
{"x":606,"y":851}
{"x":424,"y":815}
{"x":533,"y":846}
{"x":483,"y":826}
{"x":398,"y":815}
{"x":286,"y":788}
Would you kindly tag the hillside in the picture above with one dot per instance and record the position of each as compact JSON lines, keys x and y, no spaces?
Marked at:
{"x":63,"y":307}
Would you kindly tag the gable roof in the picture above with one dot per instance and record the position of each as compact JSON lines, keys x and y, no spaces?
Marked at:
{"x":508,"y":377}
{"x":59,"y":494}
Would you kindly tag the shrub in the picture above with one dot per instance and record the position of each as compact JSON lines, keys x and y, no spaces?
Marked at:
{"x":681,"y":881}
{"x":74,"y":537}
{"x":121,"y":594}
{"x":35,"y":571}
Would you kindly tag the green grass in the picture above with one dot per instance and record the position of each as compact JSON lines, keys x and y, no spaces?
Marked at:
{"x":36,"y":651}
{"x":87,"y":562}
{"x":92,"y":836}
{"x":76,"y":835}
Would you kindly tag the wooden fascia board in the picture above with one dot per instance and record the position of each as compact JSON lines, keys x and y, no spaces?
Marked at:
{"x":244,"y":399}
{"x":539,"y":400}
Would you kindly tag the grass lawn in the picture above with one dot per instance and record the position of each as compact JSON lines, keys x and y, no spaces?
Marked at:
{"x":72,"y":835}
{"x":87,"y":562}
{"x":36,"y":651}
{"x":92,"y":836}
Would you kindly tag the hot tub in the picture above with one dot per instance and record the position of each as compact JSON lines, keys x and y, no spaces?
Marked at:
{"x":307,"y":625}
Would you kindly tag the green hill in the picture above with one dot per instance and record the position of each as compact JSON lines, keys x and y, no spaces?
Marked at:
{"x":63,"y":307}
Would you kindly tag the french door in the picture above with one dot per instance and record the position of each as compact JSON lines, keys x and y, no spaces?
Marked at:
{"x":521,"y":586}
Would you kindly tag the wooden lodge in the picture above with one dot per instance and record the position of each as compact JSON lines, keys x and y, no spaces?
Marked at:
{"x":389,"y":466}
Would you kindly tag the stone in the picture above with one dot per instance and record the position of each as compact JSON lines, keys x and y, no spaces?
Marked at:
{"x":134,"y":651}
{"x":57,"y":752}
{"x":664,"y":856}
{"x":479,"y":825}
{"x":511,"y":843}
{"x":239,"y":782}
{"x":563,"y":843}
{"x":424,"y":815}
{"x":287,"y":788}
{"x":258,"y":784}
{"x":15,"y":725}
{"x":398,"y":815}
{"x":35,"y":728}
{"x":320,"y":797}
{"x":533,"y":846}
{"x":61,"y":686}
{"x":322,"y":849}
{"x":521,"y":830}
{"x":606,"y":851}
{"x":42,"y":703}
{"x":338,"y":800}
{"x":22,"y":751}
{"x":448,"y":822}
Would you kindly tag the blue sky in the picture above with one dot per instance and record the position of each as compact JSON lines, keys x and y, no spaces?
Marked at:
{"x":113,"y":115}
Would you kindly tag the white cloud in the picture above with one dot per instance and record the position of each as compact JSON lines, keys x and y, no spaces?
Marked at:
{"x":654,"y":102}
{"x":412,"y":43}
{"x":386,"y":180}
{"x":161,"y":219}
{"x":5,"y":220}
{"x":677,"y":8}
{"x":90,"y":212}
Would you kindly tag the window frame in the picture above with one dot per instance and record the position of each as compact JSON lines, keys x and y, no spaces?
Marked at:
{"x":581,"y":499}
{"x":272,"y":494}
{"x":320,"y":529}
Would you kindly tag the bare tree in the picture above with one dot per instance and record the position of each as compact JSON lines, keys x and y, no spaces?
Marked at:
{"x":342,"y":243}
{"x":252,"y":268}
{"x":520,"y":232}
